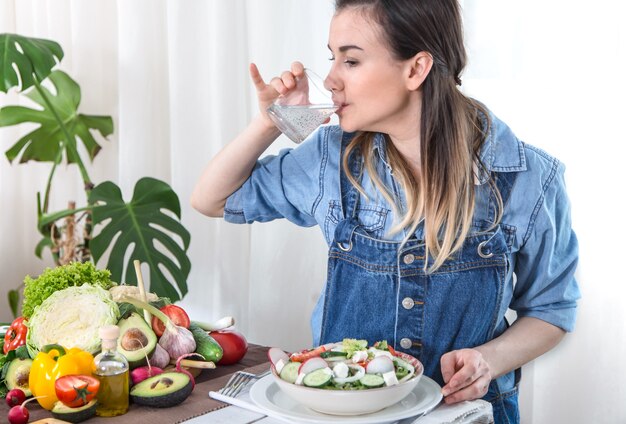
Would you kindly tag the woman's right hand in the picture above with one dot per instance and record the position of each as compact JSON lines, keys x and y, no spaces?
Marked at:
{"x":268,"y":93}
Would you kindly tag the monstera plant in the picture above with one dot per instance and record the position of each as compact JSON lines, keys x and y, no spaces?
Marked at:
{"x":107,"y":222}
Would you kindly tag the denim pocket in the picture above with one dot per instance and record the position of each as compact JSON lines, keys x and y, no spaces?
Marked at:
{"x":372,"y":219}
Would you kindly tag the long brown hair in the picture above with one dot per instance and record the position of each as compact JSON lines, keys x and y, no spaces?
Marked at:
{"x":451,"y":127}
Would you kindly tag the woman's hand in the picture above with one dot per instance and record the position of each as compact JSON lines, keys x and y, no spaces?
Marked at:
{"x":283,"y":85}
{"x":467,"y":375}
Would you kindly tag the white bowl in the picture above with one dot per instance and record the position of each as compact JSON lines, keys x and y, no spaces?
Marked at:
{"x":352,"y":402}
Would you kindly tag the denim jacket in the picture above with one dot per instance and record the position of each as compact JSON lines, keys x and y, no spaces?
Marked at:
{"x":302,"y":185}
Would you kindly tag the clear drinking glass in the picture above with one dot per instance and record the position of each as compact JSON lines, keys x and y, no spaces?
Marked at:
{"x":298,"y":113}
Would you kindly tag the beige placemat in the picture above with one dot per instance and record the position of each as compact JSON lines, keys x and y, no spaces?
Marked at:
{"x":198,"y":403}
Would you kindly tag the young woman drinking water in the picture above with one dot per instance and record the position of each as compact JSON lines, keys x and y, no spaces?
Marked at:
{"x":438,"y":219}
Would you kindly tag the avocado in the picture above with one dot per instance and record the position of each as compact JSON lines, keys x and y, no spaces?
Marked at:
{"x":60,"y":411}
{"x":137,"y":341}
{"x":17,"y":375}
{"x":163,"y":390}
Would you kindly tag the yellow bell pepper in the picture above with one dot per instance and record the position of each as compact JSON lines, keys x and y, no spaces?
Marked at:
{"x":52,"y":362}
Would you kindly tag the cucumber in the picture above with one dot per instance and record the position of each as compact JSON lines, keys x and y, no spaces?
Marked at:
{"x":372,"y":381}
{"x":289,"y":373}
{"x":205,"y":344}
{"x":318,"y":378}
{"x":333,"y":354}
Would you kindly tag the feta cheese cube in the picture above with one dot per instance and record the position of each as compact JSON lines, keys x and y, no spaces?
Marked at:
{"x":390,"y":378}
{"x":341,"y":370}
{"x":359,"y":356}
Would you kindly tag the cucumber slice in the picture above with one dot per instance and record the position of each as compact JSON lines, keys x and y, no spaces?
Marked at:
{"x":372,"y":380}
{"x":289,"y":372}
{"x":317,"y":378}
{"x":333,"y":354}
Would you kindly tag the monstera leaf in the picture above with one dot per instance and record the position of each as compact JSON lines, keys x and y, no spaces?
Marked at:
{"x":32,"y":57}
{"x":143,"y":225}
{"x":59,"y":124}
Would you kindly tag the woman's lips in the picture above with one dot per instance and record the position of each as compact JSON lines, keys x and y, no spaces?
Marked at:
{"x":342,"y":106}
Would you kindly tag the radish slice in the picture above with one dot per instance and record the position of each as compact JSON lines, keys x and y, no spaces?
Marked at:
{"x":380,"y":365}
{"x":275,"y":354}
{"x":311,"y":365}
{"x":360,"y":372}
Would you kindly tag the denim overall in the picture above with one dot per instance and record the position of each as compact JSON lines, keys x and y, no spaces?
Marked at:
{"x":378,"y":290}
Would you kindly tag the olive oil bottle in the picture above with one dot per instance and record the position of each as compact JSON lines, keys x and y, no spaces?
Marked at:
{"x":111,"y":368}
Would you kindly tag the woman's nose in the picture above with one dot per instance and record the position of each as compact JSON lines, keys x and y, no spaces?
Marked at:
{"x":330,"y":84}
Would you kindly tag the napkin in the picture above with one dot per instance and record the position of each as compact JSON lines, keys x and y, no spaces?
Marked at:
{"x":476,"y":411}
{"x":243,"y":401}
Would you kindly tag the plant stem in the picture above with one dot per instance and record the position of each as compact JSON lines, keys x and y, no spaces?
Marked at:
{"x":69,"y":146}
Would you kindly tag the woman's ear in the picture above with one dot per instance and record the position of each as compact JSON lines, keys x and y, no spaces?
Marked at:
{"x":418,"y":69}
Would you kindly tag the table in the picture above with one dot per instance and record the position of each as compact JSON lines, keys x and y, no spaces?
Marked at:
{"x":196,"y":405}
{"x":198,"y":408}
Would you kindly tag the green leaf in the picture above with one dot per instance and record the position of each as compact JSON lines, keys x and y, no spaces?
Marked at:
{"x":46,"y":219}
{"x":22,"y":352}
{"x":14,"y":299}
{"x":141,"y":225}
{"x":58,"y":112}
{"x":43,"y":243}
{"x":30,"y":56}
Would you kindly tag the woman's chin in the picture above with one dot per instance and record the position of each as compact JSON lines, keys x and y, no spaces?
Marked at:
{"x":346,"y":126}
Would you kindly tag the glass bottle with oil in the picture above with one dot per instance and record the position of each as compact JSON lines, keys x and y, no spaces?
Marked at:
{"x":111,"y":368}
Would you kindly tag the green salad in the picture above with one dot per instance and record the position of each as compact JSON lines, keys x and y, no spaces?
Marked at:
{"x":347,"y":365}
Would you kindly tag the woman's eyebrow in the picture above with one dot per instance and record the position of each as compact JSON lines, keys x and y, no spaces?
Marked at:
{"x":346,"y":48}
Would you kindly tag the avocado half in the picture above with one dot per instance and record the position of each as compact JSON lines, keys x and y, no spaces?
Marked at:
{"x":17,"y":375}
{"x":74,"y":415}
{"x":137,"y":341}
{"x":163,"y":390}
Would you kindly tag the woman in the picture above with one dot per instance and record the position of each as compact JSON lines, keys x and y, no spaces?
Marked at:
{"x":438,"y":218}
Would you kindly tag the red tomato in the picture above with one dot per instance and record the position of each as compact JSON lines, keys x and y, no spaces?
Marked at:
{"x":233,"y":344}
{"x":76,"y":390}
{"x":175,"y":313}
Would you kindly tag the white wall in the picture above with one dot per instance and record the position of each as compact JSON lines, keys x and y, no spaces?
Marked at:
{"x":174,"y":77}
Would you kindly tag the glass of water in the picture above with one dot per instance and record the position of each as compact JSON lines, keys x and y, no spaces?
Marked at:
{"x":298,"y":113}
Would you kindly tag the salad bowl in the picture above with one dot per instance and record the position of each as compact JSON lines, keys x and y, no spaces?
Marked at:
{"x":334,"y":399}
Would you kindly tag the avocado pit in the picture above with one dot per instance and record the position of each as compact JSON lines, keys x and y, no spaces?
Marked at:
{"x":134,"y":339}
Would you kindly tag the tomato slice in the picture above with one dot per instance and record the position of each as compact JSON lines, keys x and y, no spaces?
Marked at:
{"x":176,"y":314}
{"x":76,"y":390}
{"x":307,"y":354}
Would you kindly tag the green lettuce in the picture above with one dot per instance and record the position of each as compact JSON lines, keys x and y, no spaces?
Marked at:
{"x":352,"y":345}
{"x":72,"y":318}
{"x":36,"y":290}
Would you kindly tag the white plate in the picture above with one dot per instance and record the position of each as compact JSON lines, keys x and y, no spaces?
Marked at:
{"x":425,"y":397}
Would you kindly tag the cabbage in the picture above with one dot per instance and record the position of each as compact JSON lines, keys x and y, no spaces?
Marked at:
{"x":72,"y":317}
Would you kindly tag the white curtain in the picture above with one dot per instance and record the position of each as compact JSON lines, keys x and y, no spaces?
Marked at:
{"x":173,"y":75}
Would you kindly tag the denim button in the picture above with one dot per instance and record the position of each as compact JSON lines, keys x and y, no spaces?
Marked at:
{"x":407,"y":303}
{"x":409,"y":258}
{"x":406,"y":343}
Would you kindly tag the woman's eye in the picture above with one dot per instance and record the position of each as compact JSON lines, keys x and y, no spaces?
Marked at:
{"x":350,"y":63}
{"x":331,"y":58}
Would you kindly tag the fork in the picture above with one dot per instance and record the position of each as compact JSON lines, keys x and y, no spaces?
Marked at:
{"x":238,"y":381}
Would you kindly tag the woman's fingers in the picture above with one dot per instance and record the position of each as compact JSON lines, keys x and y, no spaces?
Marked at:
{"x":256,"y":77}
{"x":466,"y":374}
{"x":297,"y":69}
{"x":477,"y":389}
{"x":283,"y":84}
